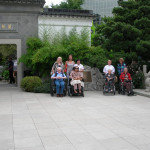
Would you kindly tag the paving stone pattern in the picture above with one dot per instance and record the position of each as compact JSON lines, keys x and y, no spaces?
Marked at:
{"x":31,"y":121}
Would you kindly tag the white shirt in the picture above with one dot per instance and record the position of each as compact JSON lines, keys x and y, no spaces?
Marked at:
{"x":15,"y":65}
{"x":108,"y":67}
{"x":80,"y":66}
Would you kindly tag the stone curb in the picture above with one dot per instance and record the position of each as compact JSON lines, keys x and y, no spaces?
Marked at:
{"x":142,"y":94}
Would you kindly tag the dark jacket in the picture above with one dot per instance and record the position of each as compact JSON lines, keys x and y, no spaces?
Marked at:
{"x":109,"y":76}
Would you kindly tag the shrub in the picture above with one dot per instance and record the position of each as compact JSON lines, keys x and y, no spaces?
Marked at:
{"x":96,"y":57}
{"x":44,"y":88}
{"x":5,"y":74}
{"x":138,"y":80}
{"x":30,"y":82}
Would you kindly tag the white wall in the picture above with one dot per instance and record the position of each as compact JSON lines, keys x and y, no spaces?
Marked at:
{"x":55,"y":24}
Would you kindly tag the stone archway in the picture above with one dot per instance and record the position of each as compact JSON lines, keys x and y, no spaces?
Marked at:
{"x":19,"y":67}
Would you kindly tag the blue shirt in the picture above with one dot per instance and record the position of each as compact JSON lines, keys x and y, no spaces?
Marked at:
{"x":59,"y":75}
{"x":120,"y":68}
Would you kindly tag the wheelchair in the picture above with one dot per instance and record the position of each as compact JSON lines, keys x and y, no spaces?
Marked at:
{"x":106,"y":90}
{"x":71,"y":90}
{"x":123,"y":90}
{"x":53,"y":87}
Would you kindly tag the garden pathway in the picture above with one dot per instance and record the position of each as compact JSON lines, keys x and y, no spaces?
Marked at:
{"x":30,"y":121}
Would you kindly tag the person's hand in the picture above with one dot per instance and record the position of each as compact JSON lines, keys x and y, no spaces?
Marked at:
{"x":58,"y":77}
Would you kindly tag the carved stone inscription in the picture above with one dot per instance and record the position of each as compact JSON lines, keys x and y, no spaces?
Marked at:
{"x":87,"y":76}
{"x":8,"y":27}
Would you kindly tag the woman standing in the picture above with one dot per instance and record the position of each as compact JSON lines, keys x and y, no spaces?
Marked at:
{"x":57,"y":64}
{"x":69,"y":65}
{"x":121,"y":66}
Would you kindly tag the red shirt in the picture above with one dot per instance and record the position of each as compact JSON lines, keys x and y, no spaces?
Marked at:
{"x":122,"y":76}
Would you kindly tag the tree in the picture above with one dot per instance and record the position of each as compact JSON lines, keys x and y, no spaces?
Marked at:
{"x":128,"y":29}
{"x":7,"y":51}
{"x":69,"y":4}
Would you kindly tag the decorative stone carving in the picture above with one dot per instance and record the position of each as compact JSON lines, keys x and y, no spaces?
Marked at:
{"x":97,"y":80}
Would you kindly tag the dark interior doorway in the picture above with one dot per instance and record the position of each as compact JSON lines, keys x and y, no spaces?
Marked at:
{"x":8,"y":64}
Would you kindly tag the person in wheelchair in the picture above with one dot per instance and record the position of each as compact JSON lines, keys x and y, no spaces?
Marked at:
{"x":76,"y":80}
{"x":126,"y":81}
{"x":109,"y":81}
{"x":59,"y":77}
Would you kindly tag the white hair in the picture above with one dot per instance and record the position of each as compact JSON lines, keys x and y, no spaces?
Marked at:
{"x":59,"y":68}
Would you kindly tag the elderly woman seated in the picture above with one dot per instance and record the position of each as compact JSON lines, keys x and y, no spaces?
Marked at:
{"x":59,"y":77}
{"x":125,"y":78}
{"x":76,"y":79}
{"x":109,"y":81}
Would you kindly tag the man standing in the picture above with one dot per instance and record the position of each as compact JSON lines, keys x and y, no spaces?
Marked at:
{"x":10,"y":69}
{"x":80,"y":66}
{"x":109,"y":67}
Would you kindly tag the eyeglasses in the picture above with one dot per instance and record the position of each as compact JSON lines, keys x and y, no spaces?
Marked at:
{"x":76,"y":68}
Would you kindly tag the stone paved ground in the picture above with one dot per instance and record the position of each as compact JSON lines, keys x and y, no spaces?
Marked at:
{"x":31,"y":121}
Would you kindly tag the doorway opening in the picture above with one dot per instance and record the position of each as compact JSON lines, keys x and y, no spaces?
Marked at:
{"x":8,"y":65}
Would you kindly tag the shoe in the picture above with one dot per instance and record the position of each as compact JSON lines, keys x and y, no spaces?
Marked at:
{"x":61,"y":95}
{"x":58,"y":95}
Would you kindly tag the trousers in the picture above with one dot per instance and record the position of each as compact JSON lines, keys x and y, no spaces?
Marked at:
{"x":60,"y":85}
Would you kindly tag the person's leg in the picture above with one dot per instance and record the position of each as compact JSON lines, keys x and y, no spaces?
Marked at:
{"x":75,"y":88}
{"x":129,"y":87}
{"x":62,"y":86}
{"x":111,"y":85}
{"x":57,"y":86}
{"x":107,"y":86}
{"x":79,"y":86}
{"x":11,"y":76}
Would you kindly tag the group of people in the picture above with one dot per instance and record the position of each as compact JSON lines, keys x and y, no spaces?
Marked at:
{"x":74,"y":71}
{"x":123,"y":75}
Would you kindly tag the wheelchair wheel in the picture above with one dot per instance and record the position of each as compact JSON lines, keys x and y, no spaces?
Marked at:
{"x":114,"y":90}
{"x":104,"y":92}
{"x":68,"y":92}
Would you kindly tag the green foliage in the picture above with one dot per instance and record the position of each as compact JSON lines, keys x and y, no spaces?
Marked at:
{"x":30,"y":82}
{"x":137,"y":76}
{"x":127,"y":30}
{"x":7,"y":51}
{"x":5,"y":74}
{"x":42,"y":53}
{"x":44,"y":88}
{"x":69,"y":4}
{"x":93,"y":29}
{"x":97,"y":57}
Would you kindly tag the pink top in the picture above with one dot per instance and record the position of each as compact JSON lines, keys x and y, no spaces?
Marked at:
{"x":75,"y":74}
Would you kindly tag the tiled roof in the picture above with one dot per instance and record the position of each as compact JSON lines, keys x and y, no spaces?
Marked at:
{"x":39,"y":2}
{"x":68,"y":12}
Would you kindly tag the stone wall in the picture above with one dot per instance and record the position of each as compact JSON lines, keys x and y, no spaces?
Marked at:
{"x":97,"y":80}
